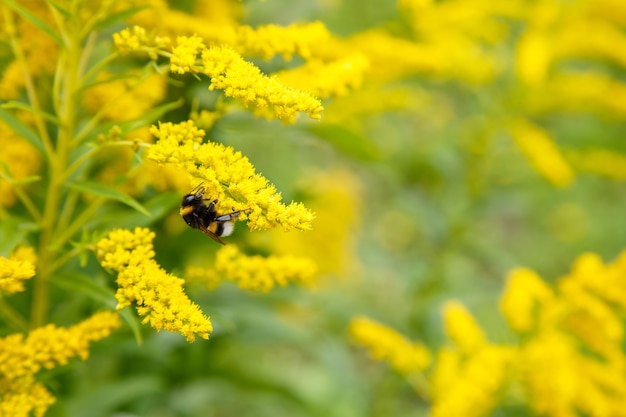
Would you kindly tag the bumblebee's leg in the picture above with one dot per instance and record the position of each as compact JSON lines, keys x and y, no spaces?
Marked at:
{"x":227,"y":217}
{"x":211,"y":205}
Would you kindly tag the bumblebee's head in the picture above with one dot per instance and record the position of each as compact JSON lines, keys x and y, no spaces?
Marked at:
{"x":190,"y":203}
{"x":191,"y":200}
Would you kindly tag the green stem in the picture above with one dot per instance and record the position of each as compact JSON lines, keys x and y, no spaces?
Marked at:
{"x":66,"y":104}
{"x":12,"y":316}
{"x":28,"y":82}
{"x":65,"y":235}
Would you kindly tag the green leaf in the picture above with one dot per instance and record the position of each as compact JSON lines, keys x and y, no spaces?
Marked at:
{"x":14,"y":231}
{"x":146,"y":119}
{"x":159,"y":206}
{"x":112,"y":18}
{"x":60,"y":8}
{"x":79,"y":283}
{"x":34,"y":20}
{"x":23,"y":106}
{"x":22,"y":130}
{"x":101,"y":190}
{"x":346,"y":141}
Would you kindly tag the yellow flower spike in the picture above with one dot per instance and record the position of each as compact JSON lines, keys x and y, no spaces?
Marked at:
{"x":470,"y":387}
{"x":185,"y":54}
{"x":228,"y":176}
{"x":242,"y":80}
{"x":49,"y":346}
{"x":386,"y":344}
{"x":159,"y":296}
{"x":524,"y":294}
{"x":258,"y":273}
{"x":24,"y":397}
{"x":136,"y":39}
{"x":269,"y":40}
{"x":461,"y":327}
{"x":14,"y":270}
{"x":326,"y":79}
{"x":542,"y":152}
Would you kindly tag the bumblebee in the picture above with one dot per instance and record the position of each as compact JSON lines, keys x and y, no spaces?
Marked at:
{"x":198,"y":215}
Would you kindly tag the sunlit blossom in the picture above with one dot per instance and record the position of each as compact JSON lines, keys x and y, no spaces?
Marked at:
{"x":17,"y":268}
{"x":260,"y":273}
{"x":386,"y":344}
{"x":228,"y":176}
{"x":159,"y":296}
{"x":462,"y":328}
{"x":22,"y":356}
{"x":541,"y":151}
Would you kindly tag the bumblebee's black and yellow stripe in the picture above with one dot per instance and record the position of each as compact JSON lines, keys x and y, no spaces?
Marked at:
{"x":198,"y":215}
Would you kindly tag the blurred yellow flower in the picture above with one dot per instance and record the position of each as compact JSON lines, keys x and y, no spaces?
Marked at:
{"x":242,"y":80}
{"x":17,"y":268}
{"x":386,"y":344}
{"x":18,"y":160}
{"x":159,"y":296}
{"x":525,"y":293}
{"x":258,"y":273}
{"x":537,"y":145}
{"x":469,"y":386}
{"x":228,"y":176}
{"x":327,"y":79}
{"x":461,"y":327}
{"x":45,"y":347}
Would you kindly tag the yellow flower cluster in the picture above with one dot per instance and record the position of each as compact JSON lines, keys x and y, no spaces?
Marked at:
{"x":15,"y":269}
{"x":469,"y":384}
{"x":242,"y":80}
{"x":267,"y":41}
{"x":461,"y":328}
{"x":598,"y":161}
{"x":159,"y":296}
{"x":572,"y":337}
{"x":326,"y":79}
{"x":228,"y":176}
{"x":18,"y":160}
{"x":46,"y":347}
{"x":258,"y":273}
{"x":542,"y":152}
{"x":386,"y":344}
{"x":136,"y":39}
{"x":125,"y":99}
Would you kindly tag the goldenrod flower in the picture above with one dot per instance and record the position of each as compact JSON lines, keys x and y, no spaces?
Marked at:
{"x":136,"y":39}
{"x":18,"y":160}
{"x":159,"y":296}
{"x":524,"y":295}
{"x":326,"y":79}
{"x":461,"y":327}
{"x":21,"y":357}
{"x":125,"y":99}
{"x":260,"y":273}
{"x":541,"y":151}
{"x":17,"y":268}
{"x":24,"y":397}
{"x":608,"y":163}
{"x":242,"y":80}
{"x":533,"y":57}
{"x":267,"y":41}
{"x":228,"y":176}
{"x":386,"y":344}
{"x":607,"y":281}
{"x":469,"y":386}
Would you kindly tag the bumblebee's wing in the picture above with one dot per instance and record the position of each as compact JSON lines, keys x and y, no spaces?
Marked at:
{"x":211,"y":234}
